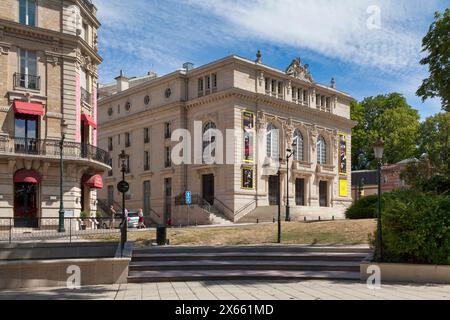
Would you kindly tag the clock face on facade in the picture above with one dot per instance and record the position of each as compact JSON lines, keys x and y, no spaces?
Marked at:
{"x":168,"y":92}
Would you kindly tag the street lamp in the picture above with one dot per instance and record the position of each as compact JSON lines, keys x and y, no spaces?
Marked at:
{"x":61,"y":172}
{"x":290,"y":153}
{"x":378,"y":149}
{"x":123,"y":158}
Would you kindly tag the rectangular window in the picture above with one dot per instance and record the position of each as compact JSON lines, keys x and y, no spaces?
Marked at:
{"x":85,"y":34}
{"x":318,"y":100}
{"x":146,"y":160}
{"x":248,"y":128}
{"x":26,"y":133}
{"x":214,"y":80}
{"x":28,"y":77}
{"x":305,"y":96}
{"x":294,"y":94}
{"x":200,"y":85}
{"x":280,"y":88}
{"x":127,"y":165}
{"x":127,"y":140}
{"x":167,"y":130}
{"x":27,"y":12}
{"x":146,"y":135}
{"x":110,"y":144}
{"x":267,"y":84}
{"x":167,"y":158}
{"x":208,"y":82}
{"x":299,"y":94}
{"x":274,"y":86}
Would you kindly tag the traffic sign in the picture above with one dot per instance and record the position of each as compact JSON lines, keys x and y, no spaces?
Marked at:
{"x":188,"y":198}
{"x":123,"y":186}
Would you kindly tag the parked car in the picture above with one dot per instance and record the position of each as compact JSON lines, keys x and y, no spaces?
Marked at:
{"x":133,"y":220}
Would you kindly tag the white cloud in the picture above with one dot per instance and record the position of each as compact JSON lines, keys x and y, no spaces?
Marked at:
{"x":336,"y":29}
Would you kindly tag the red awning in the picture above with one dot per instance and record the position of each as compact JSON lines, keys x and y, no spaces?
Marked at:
{"x":93,"y":182}
{"x":27,"y":176}
{"x":88,"y":120}
{"x":36,"y":109}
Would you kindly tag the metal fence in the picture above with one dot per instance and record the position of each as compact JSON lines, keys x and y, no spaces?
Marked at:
{"x":47,"y":229}
{"x":51,"y":148}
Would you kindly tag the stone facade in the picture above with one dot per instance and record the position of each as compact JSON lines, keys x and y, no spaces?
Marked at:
{"x":223,"y":93}
{"x":61,"y":80}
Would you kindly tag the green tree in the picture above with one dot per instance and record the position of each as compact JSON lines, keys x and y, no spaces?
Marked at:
{"x":437,"y":45}
{"x":387,"y":116}
{"x":432,"y":172}
{"x":434,"y":140}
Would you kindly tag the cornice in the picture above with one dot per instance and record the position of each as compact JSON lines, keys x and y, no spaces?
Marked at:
{"x":54,"y":38}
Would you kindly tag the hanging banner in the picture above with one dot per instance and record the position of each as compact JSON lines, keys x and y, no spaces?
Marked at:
{"x":342,"y":154}
{"x":248,"y":124}
{"x":248,"y":178}
{"x":343,"y":188}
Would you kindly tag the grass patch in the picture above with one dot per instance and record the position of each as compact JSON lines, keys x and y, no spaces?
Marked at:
{"x":344,"y":232}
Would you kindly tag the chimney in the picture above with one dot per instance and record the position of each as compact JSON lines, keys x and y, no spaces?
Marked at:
{"x":122,"y":82}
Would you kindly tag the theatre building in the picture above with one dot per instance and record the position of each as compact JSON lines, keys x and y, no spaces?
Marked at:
{"x":48,"y":76}
{"x":269,"y":111}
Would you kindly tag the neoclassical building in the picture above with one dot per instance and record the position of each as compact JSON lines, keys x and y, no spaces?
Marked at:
{"x":266,"y":112}
{"x":48,"y":79}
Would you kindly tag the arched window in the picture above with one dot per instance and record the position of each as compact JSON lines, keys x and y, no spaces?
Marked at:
{"x":273,"y":142}
{"x":298,"y":149}
{"x":208,"y":139}
{"x":321,"y":151}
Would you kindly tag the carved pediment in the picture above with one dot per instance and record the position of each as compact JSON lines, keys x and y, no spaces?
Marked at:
{"x":298,"y":71}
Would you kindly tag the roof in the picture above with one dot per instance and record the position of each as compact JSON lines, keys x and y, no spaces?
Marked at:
{"x":369,"y":177}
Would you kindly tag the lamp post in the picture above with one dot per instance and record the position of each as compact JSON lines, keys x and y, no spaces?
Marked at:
{"x":378,"y":149}
{"x":279,"y":200}
{"x":123,"y":239}
{"x":61,"y":172}
{"x":290,"y":153}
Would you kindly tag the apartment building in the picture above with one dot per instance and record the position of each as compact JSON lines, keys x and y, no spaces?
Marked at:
{"x":269,"y":111}
{"x":48,"y":77}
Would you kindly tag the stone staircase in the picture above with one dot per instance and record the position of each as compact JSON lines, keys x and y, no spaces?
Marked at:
{"x":164,"y":264}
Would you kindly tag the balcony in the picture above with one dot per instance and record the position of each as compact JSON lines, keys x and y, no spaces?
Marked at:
{"x":49,"y":148}
{"x":27,"y":81}
{"x":86,"y":96}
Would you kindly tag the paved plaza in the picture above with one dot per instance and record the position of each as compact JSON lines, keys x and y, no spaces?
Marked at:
{"x":239,"y":290}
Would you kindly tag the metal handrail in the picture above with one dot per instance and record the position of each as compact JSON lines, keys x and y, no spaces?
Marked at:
{"x":86,"y":96}
{"x":27,"y":81}
{"x":51,"y":148}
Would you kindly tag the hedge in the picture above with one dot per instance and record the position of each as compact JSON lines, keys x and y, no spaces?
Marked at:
{"x":364,"y":208}
{"x":416,"y":228}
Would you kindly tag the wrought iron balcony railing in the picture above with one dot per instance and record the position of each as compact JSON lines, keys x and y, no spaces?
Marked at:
{"x":51,"y":148}
{"x":27,"y":81}
{"x":86,"y":96}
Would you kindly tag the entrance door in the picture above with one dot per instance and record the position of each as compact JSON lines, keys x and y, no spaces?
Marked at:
{"x":84,"y":139}
{"x":323,"y":194}
{"x":208,"y":188}
{"x":25,"y":205}
{"x":274,"y":186}
{"x":300,"y":192}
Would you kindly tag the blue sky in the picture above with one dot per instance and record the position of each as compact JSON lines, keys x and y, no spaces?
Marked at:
{"x":370,"y":46}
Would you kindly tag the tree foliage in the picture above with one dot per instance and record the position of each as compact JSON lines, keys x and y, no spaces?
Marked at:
{"x":387,"y":116}
{"x":437,"y":45}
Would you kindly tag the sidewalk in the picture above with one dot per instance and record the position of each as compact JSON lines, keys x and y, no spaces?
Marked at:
{"x":239,"y":290}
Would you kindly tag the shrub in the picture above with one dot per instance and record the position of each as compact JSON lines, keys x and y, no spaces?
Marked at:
{"x":416,"y":228}
{"x":364,"y":208}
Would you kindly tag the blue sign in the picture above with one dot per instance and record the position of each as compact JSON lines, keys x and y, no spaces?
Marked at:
{"x":188,"y":197}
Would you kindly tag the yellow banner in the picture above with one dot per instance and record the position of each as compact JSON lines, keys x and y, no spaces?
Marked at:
{"x":343,"y":188}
